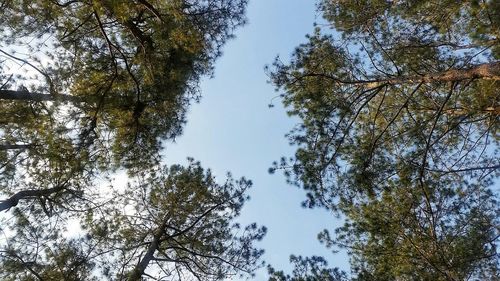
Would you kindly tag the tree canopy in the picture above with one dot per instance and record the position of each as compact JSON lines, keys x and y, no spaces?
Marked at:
{"x":91,"y":86}
{"x":173,"y":223}
{"x":399,"y":109}
{"x":307,"y":269}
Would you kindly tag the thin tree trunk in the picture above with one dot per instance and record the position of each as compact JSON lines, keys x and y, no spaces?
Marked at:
{"x":486,"y":71}
{"x":149,"y":255}
{"x":28,"y":96}
{"x":14,"y":146}
{"x":139,"y":269}
{"x":12,"y":201}
{"x":489,"y":71}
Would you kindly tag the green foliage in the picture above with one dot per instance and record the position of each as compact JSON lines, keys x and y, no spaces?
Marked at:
{"x":396,"y":236}
{"x":109,"y":82}
{"x":131,"y":68}
{"x":399,"y":132}
{"x":307,"y":269}
{"x":35,"y":249}
{"x":172,"y":223}
{"x":88,"y":88}
{"x":183,"y":219}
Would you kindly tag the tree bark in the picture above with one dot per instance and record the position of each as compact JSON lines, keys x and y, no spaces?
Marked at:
{"x":139,"y":269}
{"x":489,"y":71}
{"x":486,"y":71}
{"x":14,"y":146}
{"x":12,"y":201}
{"x":28,"y":96}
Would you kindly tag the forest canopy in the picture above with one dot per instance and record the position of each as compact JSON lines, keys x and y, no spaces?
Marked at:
{"x":399,"y":106}
{"x":92,"y":88}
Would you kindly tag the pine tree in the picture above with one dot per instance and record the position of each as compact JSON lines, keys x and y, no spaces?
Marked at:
{"x":173,"y":223}
{"x":106,"y":83}
{"x":399,"y":109}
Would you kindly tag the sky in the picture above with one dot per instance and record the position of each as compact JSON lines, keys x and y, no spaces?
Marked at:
{"x":233,"y":130}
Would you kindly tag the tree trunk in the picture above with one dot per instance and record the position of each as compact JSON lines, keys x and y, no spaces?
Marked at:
{"x":139,"y":269}
{"x":486,"y":71}
{"x":14,"y":146}
{"x":12,"y":201}
{"x":28,"y":96}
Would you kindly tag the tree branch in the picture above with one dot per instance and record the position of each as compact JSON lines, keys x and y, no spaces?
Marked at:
{"x":486,"y":71}
{"x":38,"y":97}
{"x":12,"y":201}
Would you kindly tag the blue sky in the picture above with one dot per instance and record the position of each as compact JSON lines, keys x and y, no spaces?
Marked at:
{"x":232,"y":129}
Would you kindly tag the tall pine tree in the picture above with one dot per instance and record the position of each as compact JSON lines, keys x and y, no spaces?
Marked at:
{"x":91,"y":86}
{"x":399,"y":108}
